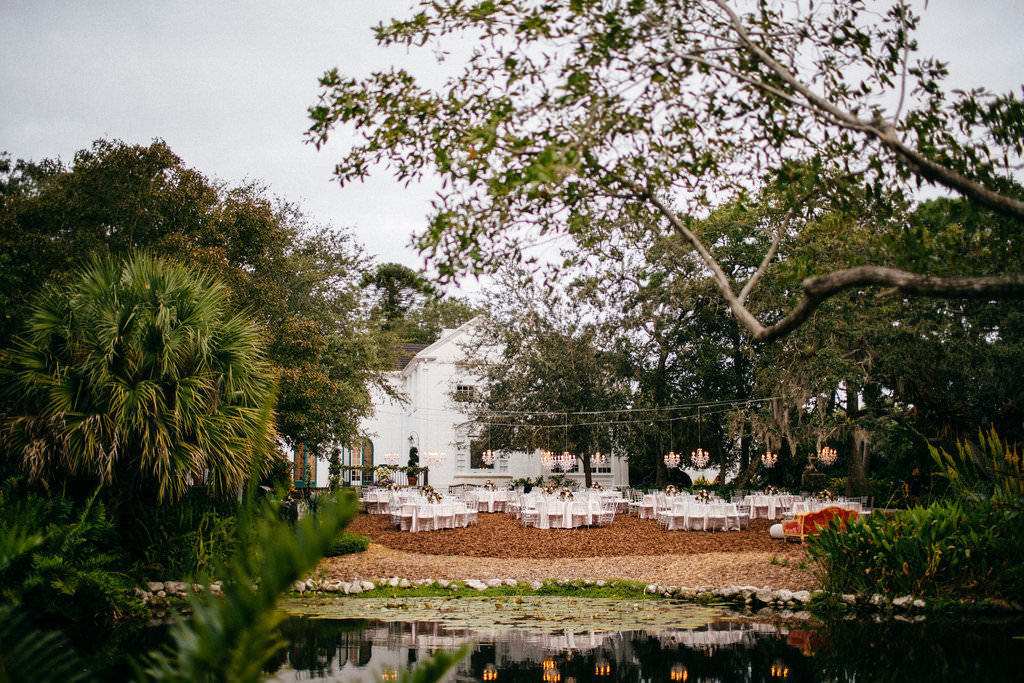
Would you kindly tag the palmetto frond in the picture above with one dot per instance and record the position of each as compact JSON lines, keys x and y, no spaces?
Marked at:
{"x":139,"y":373}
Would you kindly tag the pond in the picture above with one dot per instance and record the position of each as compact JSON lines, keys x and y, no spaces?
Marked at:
{"x":568,"y":640}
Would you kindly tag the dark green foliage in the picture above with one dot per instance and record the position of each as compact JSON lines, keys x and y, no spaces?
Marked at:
{"x":60,"y":561}
{"x":137,"y":375}
{"x":184,"y":539}
{"x":230,"y":638}
{"x":946,"y":549}
{"x":348,"y":543}
{"x":28,"y":654}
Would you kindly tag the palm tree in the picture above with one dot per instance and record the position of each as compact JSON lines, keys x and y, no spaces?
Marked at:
{"x":138,"y":375}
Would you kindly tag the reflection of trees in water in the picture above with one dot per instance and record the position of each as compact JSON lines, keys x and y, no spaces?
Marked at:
{"x":932,"y":650}
{"x":723,"y":651}
{"x":318,"y":645}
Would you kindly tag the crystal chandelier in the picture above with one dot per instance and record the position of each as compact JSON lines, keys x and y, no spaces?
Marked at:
{"x":672,"y":459}
{"x":768,"y":459}
{"x":391,"y":459}
{"x":488,"y":457}
{"x":827,"y":456}
{"x":436,"y":457}
{"x":567,"y":460}
{"x":547,"y":460}
{"x":700,"y":458}
{"x":599,"y":458}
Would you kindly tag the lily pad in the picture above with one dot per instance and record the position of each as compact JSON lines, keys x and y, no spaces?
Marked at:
{"x":542,"y":614}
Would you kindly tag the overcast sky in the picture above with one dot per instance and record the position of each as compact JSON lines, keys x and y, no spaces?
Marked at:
{"x":227,"y":85}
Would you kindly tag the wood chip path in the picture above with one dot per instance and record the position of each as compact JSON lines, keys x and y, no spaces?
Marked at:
{"x":631,"y":548}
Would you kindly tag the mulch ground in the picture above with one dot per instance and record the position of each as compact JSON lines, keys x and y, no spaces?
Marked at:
{"x":499,"y":535}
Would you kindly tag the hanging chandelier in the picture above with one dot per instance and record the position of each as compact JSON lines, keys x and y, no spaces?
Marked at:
{"x":700,"y":458}
{"x":566,"y":461}
{"x":488,"y":457}
{"x":436,"y":457}
{"x":827,"y":456}
{"x":599,"y":458}
{"x":547,"y":460}
{"x":672,"y":460}
{"x":768,"y":459}
{"x":391,"y":459}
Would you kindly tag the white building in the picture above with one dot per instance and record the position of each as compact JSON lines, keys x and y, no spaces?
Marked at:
{"x":432,"y":378}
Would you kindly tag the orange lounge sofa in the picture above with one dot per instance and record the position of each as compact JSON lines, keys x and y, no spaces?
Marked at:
{"x":806,"y":523}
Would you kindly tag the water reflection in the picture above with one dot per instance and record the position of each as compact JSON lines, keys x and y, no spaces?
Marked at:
{"x":361,"y":650}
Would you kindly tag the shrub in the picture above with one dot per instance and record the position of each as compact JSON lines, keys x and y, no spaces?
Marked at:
{"x":948,"y":548}
{"x":60,"y":561}
{"x":185,"y":539}
{"x":346,"y":544}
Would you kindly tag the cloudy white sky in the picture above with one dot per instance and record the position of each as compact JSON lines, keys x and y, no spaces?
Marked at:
{"x":227,"y":85}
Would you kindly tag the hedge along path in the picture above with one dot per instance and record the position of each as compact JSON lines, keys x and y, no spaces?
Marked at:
{"x":631,"y":548}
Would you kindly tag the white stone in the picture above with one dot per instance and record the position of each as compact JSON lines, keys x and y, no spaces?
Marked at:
{"x":785,"y":595}
{"x":367,"y":585}
{"x":877,"y":600}
{"x":404,"y":583}
{"x":600,"y":583}
{"x":443,"y":583}
{"x":802,"y":596}
{"x":344,"y":587}
{"x":919,"y":603}
{"x":536,"y":585}
{"x":651,"y":588}
{"x":300,"y":586}
{"x":494,"y":583}
{"x":155,"y":586}
{"x":849,"y":598}
{"x":588,"y":582}
{"x":393,"y":582}
{"x":476,"y":584}
{"x":511,"y":582}
{"x":354,"y":589}
{"x":902,"y":601}
{"x":764,"y":595}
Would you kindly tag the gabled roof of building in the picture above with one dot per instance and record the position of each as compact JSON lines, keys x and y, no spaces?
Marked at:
{"x":405,"y":354}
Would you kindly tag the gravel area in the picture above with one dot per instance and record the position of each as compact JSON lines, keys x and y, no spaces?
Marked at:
{"x":630,"y":548}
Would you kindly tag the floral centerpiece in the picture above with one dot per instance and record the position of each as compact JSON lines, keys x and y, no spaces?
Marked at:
{"x":671,"y":490}
{"x":770,"y":490}
{"x":703,"y":496}
{"x":382,"y":475}
{"x":597,"y":486}
{"x":825,"y":494}
{"x":550,"y":490}
{"x":389,"y":484}
{"x":433,"y":497}
{"x":565,"y":494}
{"x":489,"y":485}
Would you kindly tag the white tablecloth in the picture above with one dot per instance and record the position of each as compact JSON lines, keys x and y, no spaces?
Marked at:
{"x":491,"y":501}
{"x":766,"y":506}
{"x":553,"y":512}
{"x":802,"y":506}
{"x":436,"y":515}
{"x":691,"y":516}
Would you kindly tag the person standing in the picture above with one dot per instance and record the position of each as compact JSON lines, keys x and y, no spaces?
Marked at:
{"x":914,"y":486}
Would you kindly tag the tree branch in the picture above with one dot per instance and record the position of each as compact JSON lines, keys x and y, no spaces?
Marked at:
{"x":880,"y":130}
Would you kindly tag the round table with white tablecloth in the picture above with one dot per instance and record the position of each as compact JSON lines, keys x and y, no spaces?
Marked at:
{"x":768,"y":506}
{"x":693,"y":516}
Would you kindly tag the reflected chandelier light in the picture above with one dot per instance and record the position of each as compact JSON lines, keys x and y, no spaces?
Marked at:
{"x":436,"y":457}
{"x":827,"y":456}
{"x":672,"y":460}
{"x":488,"y":457}
{"x":768,"y":459}
{"x":700,"y":458}
{"x":391,"y":459}
{"x":599,"y":458}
